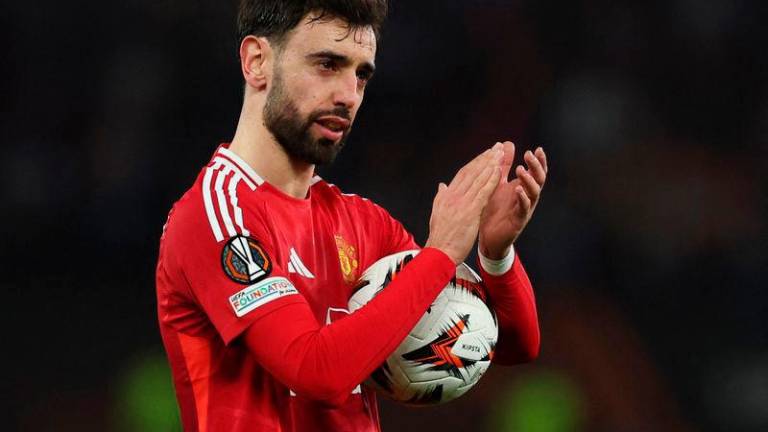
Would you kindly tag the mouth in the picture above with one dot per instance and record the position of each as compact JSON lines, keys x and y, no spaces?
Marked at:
{"x":332,"y":127}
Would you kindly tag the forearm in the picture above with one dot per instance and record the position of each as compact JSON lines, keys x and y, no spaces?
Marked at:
{"x":514,"y":302}
{"x":327,"y":362}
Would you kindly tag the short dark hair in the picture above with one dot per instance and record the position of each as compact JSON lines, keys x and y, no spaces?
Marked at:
{"x":274,"y":19}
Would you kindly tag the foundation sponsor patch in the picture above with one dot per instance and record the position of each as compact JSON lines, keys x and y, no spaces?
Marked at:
{"x":260,"y":294}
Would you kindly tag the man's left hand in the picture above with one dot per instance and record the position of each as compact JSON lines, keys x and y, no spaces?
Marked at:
{"x":513,"y":202}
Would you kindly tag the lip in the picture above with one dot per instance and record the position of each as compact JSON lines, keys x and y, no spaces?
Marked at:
{"x":329,"y":134}
{"x":344,"y":123}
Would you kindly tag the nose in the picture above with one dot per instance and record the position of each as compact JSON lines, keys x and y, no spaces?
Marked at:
{"x":348,"y":92}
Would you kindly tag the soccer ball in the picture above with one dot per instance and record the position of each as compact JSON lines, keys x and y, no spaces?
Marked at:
{"x":451,"y":346}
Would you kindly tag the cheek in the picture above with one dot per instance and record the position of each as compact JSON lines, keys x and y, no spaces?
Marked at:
{"x":353,"y":111}
{"x":301,"y":88}
{"x":308,"y":96}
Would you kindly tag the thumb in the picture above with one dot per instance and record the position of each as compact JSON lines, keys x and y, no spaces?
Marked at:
{"x":441,"y":187}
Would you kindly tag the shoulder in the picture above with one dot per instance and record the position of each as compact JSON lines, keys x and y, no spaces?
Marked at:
{"x":354,"y":205}
{"x":332,"y":194}
{"x":211,"y":210}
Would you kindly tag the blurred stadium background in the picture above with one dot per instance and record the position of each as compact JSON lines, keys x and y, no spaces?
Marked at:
{"x":648,"y":251}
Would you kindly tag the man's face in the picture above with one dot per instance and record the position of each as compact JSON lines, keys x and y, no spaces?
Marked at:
{"x":319,"y":80}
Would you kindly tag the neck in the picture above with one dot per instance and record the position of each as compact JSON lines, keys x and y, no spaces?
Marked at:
{"x":258,"y":148}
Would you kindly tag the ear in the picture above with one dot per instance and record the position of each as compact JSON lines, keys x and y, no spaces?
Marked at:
{"x":256,"y":57}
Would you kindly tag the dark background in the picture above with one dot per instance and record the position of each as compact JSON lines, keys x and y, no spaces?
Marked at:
{"x":647,"y":252}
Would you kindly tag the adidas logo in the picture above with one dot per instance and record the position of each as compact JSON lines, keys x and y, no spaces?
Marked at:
{"x":296,"y":266}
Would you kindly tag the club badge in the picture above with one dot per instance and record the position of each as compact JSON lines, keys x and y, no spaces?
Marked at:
{"x":347,"y":259}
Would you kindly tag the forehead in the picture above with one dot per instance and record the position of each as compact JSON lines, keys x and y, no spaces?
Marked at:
{"x":333,"y":34}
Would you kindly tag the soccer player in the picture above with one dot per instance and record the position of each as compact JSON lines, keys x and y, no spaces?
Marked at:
{"x":259,"y":257}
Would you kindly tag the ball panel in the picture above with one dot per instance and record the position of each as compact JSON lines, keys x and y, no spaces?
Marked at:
{"x":448,"y":350}
{"x":377,"y":277}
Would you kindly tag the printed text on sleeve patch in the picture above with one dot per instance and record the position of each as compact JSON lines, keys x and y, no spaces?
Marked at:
{"x":260,"y":294}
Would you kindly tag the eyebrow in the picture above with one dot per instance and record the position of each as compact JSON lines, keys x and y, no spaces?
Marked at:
{"x":341,"y":59}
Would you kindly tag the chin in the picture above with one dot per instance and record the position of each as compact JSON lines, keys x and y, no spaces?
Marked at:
{"x":326,"y":151}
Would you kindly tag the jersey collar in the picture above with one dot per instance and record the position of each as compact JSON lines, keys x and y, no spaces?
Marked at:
{"x":225,"y":152}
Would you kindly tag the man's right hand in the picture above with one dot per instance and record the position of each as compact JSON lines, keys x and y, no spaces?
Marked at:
{"x":458,"y":206}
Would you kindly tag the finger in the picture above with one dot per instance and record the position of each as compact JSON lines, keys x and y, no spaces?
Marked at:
{"x":507,"y":160}
{"x":485,"y":192}
{"x":470,"y":180}
{"x":470,"y":168}
{"x":535,"y":168}
{"x":542,"y":157}
{"x":462,"y":173}
{"x":441,"y":188}
{"x":525,"y":203}
{"x":480,"y":181}
{"x":532,"y":188}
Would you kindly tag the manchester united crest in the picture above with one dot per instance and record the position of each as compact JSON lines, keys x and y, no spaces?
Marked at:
{"x":347,"y":259}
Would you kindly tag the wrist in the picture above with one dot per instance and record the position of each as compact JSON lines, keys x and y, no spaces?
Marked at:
{"x":493,"y":254}
{"x":434,"y":251}
{"x":446,"y":251}
{"x":493,"y":266}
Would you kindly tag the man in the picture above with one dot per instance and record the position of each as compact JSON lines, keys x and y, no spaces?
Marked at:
{"x":260,"y":253}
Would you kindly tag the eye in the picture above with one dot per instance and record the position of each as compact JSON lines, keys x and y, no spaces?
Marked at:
{"x":364,"y":76}
{"x":328,"y":64}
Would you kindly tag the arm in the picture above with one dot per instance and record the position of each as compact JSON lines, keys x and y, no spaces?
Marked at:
{"x":513,"y":301}
{"x":327,"y":362}
{"x":508,"y":212}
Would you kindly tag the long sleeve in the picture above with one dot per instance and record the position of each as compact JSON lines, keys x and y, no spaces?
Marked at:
{"x":513,"y":300}
{"x":327,"y":362}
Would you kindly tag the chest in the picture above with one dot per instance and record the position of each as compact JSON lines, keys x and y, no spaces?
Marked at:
{"x":319,"y":249}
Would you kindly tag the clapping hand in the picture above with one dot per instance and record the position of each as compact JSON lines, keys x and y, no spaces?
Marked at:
{"x":512,"y":203}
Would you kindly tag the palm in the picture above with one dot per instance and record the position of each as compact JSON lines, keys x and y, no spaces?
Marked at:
{"x":512,"y":203}
{"x":502,"y":223}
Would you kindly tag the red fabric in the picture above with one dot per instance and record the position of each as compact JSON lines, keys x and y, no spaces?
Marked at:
{"x":326,"y":363}
{"x":320,"y":245}
{"x":513,"y":300}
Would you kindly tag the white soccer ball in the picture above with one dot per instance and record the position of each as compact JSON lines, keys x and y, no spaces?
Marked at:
{"x":451,"y":346}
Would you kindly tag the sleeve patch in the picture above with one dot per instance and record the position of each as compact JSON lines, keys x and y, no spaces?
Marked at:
{"x":245,"y":261}
{"x":260,"y":294}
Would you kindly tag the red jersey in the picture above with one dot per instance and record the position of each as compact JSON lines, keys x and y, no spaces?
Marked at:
{"x":238,"y":254}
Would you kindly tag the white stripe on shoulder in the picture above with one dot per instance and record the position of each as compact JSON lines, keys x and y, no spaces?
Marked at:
{"x":236,"y":168}
{"x":315,"y":179}
{"x":338,"y":189}
{"x":208,"y":200}
{"x":354,"y":195}
{"x":232,"y":190}
{"x":213,"y":186}
{"x":223,"y":209}
{"x":241,"y":164}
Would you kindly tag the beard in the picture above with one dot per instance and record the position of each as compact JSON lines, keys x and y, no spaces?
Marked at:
{"x":292,"y":131}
